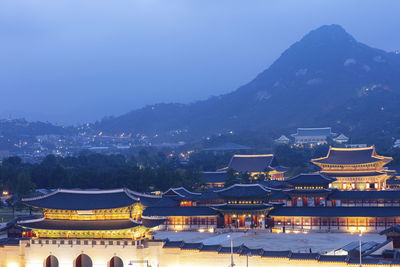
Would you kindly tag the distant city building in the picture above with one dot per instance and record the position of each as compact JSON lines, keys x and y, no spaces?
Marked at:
{"x":257,"y":165}
{"x":341,"y":139}
{"x":282,"y":140}
{"x":312,"y":136}
{"x":355,"y":168}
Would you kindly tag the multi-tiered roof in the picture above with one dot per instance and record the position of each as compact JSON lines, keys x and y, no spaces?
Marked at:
{"x":351,"y":156}
{"x":89,"y":213}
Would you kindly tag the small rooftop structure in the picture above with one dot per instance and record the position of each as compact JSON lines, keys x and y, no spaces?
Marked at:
{"x":282,"y":140}
{"x":307,"y":180}
{"x":183,"y":193}
{"x":239,"y":191}
{"x":341,"y":139}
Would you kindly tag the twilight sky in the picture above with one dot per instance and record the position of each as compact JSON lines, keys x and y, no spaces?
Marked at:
{"x":70,"y":61}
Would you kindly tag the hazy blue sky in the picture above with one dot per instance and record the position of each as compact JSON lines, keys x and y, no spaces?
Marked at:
{"x":70,"y":61}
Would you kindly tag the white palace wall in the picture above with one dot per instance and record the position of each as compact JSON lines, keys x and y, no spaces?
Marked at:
{"x":34,"y":255}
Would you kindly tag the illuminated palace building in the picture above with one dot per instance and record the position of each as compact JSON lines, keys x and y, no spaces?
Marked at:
{"x":355,"y":168}
{"x":259,"y":167}
{"x":78,"y":227}
{"x":87,"y":228}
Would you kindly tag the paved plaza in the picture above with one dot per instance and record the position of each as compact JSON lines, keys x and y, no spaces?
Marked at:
{"x":301,"y":242}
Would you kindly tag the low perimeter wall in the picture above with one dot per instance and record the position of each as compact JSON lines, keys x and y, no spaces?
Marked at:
{"x":28,"y":254}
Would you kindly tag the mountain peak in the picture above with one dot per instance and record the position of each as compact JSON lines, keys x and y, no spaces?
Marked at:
{"x":328,"y":33}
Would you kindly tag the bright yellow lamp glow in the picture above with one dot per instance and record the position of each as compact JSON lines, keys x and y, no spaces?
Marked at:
{"x":12,"y":264}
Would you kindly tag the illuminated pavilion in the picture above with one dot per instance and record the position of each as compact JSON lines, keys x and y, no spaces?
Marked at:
{"x":355,"y":168}
{"x":97,"y":214}
{"x":246,"y":205}
{"x":258,"y":165}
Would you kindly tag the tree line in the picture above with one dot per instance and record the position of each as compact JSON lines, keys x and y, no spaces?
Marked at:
{"x":145,"y":171}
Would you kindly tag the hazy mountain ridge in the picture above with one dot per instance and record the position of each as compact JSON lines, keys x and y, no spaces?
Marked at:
{"x":326,"y":78}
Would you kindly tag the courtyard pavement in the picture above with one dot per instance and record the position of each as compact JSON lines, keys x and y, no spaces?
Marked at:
{"x":301,"y":242}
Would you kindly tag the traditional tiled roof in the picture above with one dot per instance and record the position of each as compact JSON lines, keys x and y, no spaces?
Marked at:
{"x":351,"y":156}
{"x":251,"y":163}
{"x":64,"y":199}
{"x":244,"y":191}
{"x":336,"y":211}
{"x":358,"y":195}
{"x":327,"y":131}
{"x":332,"y":258}
{"x":394,"y":228}
{"x":183,"y":193}
{"x":277,"y":194}
{"x":242,"y":207}
{"x":308,"y":192}
{"x":145,"y":199}
{"x":251,"y":252}
{"x":191,"y":246}
{"x":280,"y":168}
{"x":166,"y":202}
{"x":274,"y":184}
{"x":373,"y":261}
{"x":244,"y":250}
{"x":355,"y":245}
{"x":277,"y":254}
{"x":214,"y":177}
{"x":227,"y":250}
{"x":210,"y":194}
{"x":211,"y":248}
{"x":179,"y":211}
{"x":282,"y":138}
{"x":303,"y":256}
{"x":393,"y":181}
{"x":9,"y":242}
{"x":79,"y":225}
{"x":310,"y":179}
{"x":173,"y":244}
{"x":151,"y":222}
{"x":341,"y":137}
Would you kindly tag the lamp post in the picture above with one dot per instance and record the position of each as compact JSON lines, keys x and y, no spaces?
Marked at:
{"x":232,"y":264}
{"x":247,"y":259}
{"x":360,"y":248}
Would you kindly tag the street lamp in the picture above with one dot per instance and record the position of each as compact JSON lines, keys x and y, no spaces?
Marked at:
{"x":247,"y":259}
{"x":232,"y":264}
{"x":360,"y":248}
